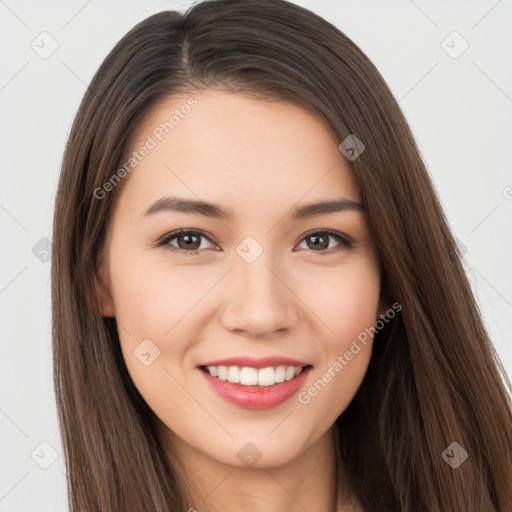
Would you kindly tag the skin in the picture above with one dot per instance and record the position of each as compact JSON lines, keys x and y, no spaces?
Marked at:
{"x":261,"y":160}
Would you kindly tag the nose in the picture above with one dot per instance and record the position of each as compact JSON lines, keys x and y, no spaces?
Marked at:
{"x":260,"y":301}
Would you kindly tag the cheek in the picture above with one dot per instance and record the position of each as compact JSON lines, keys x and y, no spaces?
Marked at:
{"x":155,"y":301}
{"x":148,"y":304}
{"x":347,"y":307}
{"x":346,"y":301}
{"x":136,"y":298}
{"x":149,"y":296}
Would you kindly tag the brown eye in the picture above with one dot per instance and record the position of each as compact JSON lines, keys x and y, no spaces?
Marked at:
{"x":320,"y":242}
{"x":188,"y":242}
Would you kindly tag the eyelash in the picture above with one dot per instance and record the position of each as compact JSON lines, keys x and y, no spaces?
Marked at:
{"x":164,"y":241}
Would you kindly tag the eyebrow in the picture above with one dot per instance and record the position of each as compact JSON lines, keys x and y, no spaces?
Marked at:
{"x":215,"y":211}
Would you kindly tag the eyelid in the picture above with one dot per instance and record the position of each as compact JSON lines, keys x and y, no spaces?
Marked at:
{"x":345,"y":241}
{"x":164,"y":240}
{"x":328,"y":231}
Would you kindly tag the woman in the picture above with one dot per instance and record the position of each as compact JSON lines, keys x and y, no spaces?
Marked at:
{"x":238,"y":369}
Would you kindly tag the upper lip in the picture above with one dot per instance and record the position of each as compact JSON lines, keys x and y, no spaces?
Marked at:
{"x":253,"y":362}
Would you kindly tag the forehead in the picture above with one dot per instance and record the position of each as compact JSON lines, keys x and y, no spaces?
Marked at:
{"x":233,"y":149}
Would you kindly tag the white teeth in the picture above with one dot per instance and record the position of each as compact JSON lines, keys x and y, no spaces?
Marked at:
{"x":233,"y":374}
{"x":251,"y":376}
{"x":248,"y":376}
{"x":290,"y":372}
{"x":280,"y":374}
{"x":266,"y":376}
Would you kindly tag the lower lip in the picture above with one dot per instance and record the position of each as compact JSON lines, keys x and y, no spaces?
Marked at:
{"x":256,"y":397}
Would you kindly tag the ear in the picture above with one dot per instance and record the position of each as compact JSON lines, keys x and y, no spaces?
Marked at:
{"x":106,"y":303}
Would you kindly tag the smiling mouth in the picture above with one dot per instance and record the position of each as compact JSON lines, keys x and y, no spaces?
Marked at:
{"x":248,"y":376}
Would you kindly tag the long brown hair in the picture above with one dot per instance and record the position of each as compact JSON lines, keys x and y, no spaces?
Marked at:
{"x":434,"y":377}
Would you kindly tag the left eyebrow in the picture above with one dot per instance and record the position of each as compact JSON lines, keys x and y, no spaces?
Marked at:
{"x":216,"y":211}
{"x":326,"y":207}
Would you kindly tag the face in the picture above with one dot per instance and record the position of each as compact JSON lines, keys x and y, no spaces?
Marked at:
{"x":257,"y":285}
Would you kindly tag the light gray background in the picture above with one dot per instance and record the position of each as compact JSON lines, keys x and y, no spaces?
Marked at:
{"x":460,"y":110}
